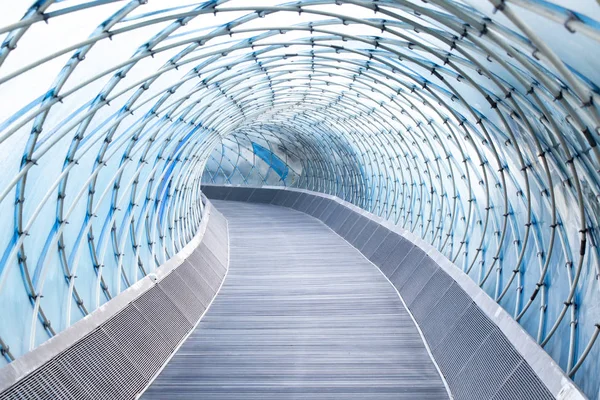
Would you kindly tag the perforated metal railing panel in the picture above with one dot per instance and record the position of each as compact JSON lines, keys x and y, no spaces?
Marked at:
{"x":118,"y":359}
{"x":302,"y":314}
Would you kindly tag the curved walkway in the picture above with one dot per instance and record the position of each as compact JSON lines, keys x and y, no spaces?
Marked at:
{"x":301,"y":315}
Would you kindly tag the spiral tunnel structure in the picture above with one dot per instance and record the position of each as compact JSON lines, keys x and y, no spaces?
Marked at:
{"x":472,"y":124}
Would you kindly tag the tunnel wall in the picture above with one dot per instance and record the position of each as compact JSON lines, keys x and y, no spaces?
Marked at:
{"x":117,"y":350}
{"x":481,"y":351}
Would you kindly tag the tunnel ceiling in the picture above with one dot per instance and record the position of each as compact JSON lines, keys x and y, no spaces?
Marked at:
{"x":472,"y":124}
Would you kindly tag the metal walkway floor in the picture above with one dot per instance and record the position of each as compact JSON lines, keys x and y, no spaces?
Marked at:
{"x":301,"y":315}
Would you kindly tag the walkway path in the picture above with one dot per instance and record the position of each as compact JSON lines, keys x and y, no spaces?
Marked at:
{"x":301,"y":315}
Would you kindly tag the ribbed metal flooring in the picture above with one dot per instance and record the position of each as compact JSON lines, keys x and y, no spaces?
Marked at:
{"x":301,"y":315}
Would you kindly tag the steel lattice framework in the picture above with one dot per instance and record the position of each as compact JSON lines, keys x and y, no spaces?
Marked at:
{"x":473,"y":124}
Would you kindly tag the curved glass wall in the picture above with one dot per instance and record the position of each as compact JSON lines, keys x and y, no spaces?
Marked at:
{"x":473,"y":124}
